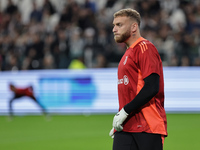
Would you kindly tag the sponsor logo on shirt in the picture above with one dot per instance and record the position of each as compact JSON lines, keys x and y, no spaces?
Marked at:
{"x":124,"y":80}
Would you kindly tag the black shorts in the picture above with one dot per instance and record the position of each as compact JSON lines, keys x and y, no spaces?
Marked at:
{"x":16,"y":96}
{"x":137,"y":141}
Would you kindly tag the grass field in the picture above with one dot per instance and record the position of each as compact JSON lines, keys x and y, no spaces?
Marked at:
{"x":79,"y":132}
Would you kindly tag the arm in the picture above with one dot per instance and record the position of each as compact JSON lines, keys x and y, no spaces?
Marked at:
{"x":149,"y":90}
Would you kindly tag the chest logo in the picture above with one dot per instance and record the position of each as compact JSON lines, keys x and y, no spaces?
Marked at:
{"x":125,"y":60}
{"x":126,"y":80}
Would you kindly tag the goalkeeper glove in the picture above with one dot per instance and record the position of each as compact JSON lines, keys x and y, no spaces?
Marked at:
{"x":112,"y":133}
{"x":119,"y":119}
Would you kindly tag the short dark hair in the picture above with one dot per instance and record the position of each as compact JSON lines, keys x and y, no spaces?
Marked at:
{"x":128,"y":12}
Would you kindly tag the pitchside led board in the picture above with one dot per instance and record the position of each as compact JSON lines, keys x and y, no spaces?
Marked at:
{"x":93,"y":90}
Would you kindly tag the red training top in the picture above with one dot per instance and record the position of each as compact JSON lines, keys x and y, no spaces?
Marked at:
{"x":140,"y":60}
{"x":24,"y":91}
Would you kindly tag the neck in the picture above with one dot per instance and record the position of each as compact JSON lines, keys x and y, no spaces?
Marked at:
{"x":132,"y":39}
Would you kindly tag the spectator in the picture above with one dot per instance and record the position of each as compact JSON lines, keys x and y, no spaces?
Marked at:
{"x":48,"y":6}
{"x":61,"y":49}
{"x":11,"y":8}
{"x":173,"y":26}
{"x":77,"y":63}
{"x":185,"y":61}
{"x":196,"y":61}
{"x":48,"y":61}
{"x":76,"y":44}
{"x":36,"y":14}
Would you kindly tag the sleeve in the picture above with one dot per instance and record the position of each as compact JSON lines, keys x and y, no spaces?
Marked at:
{"x":148,"y":59}
{"x":149,"y":90}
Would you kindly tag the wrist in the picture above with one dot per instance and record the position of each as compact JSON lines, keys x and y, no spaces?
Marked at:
{"x":124,"y":112}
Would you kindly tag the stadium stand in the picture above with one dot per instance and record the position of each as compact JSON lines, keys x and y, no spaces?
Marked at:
{"x":49,"y":34}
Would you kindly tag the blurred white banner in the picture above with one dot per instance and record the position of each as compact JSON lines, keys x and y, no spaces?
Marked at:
{"x":93,"y":90}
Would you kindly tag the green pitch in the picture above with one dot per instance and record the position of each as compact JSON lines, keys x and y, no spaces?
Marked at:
{"x":79,"y":132}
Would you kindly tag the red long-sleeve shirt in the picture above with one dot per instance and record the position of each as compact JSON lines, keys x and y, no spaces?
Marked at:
{"x":140,"y":60}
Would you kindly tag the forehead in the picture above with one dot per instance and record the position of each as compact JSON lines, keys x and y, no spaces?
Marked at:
{"x":120,"y":19}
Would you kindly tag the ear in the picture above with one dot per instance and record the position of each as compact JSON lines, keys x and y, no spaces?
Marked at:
{"x":134,"y":27}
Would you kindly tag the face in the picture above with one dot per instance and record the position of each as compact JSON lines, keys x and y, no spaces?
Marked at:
{"x":121,"y":29}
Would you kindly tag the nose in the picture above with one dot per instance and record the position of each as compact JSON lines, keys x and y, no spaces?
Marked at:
{"x":114,"y":29}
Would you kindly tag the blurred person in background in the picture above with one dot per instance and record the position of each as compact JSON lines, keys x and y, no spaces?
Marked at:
{"x":11,"y":8}
{"x":61,"y":49}
{"x":77,"y":63}
{"x":185,"y":61}
{"x":35,"y":51}
{"x":36,"y":13}
{"x":76,"y":44}
{"x":196,"y":61}
{"x":21,"y":92}
{"x":100,"y":61}
{"x":48,"y":61}
{"x":141,"y":122}
{"x":169,"y":17}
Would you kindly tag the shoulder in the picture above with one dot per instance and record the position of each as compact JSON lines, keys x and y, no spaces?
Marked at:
{"x":144,"y":46}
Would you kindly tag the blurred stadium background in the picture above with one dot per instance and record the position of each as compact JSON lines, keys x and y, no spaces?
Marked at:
{"x":65,"y":50}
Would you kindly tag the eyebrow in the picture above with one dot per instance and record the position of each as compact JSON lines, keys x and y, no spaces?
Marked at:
{"x":117,"y":23}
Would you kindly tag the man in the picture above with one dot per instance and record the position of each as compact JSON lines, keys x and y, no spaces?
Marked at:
{"x":20,"y":92}
{"x":141,"y":121}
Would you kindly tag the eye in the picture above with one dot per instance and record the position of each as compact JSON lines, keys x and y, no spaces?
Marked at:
{"x":119,"y":24}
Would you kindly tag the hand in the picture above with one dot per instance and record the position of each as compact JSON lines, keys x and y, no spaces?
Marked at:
{"x":112,"y":133}
{"x":119,"y":119}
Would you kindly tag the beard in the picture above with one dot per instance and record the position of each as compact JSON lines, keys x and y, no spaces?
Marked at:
{"x":123,"y":37}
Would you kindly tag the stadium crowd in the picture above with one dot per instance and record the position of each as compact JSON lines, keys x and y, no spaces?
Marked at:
{"x":78,"y":34}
